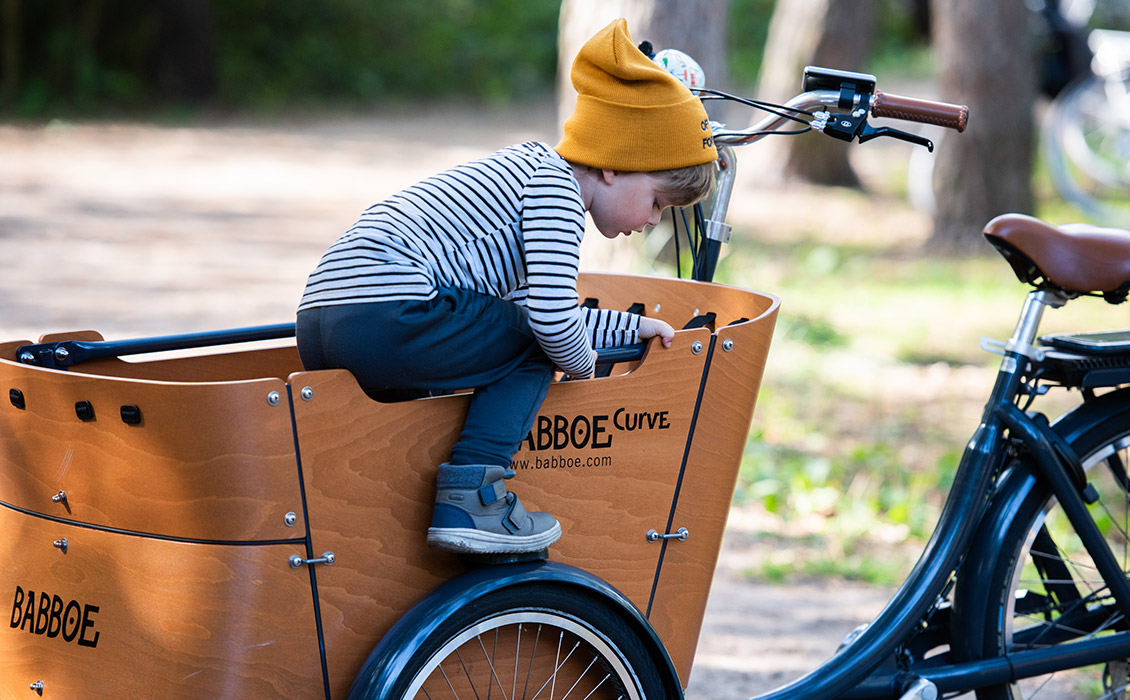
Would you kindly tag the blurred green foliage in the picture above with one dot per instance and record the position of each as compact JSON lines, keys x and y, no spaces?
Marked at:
{"x":105,"y":57}
{"x":108,"y":56}
{"x":360,"y":50}
{"x":748,"y":30}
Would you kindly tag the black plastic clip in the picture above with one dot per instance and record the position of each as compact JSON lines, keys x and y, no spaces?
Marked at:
{"x":131,"y":415}
{"x":84,"y":410}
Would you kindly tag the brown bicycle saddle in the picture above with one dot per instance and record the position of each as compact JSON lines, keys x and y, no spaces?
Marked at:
{"x":1075,"y":258}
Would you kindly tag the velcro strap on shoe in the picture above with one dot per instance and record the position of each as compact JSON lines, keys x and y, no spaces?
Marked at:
{"x":516,"y":516}
{"x":492,"y":492}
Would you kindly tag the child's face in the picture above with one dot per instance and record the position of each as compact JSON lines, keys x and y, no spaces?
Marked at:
{"x":625,"y":203}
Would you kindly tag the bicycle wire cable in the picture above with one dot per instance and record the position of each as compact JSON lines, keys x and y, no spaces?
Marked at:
{"x":782,"y":111}
{"x":699,"y":252}
{"x":691,"y":241}
{"x":678,"y":253}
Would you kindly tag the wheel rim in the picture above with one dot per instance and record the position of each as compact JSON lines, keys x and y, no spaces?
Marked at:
{"x":1087,"y":143}
{"x":1038,"y":614}
{"x":526,"y":655}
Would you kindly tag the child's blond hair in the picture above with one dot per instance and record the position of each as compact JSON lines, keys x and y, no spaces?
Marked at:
{"x":683,"y":187}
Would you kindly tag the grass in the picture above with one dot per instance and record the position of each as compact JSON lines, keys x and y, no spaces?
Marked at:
{"x":875,"y":382}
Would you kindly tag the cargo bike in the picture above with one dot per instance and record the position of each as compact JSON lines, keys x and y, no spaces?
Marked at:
{"x":225,"y":524}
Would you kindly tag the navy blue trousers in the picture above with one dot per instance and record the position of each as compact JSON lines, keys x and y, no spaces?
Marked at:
{"x":457,"y":340}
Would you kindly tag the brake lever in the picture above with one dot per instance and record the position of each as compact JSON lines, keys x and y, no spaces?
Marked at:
{"x":854,"y":127}
{"x":868,"y":132}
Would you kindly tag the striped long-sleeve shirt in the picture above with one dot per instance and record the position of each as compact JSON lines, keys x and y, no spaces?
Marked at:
{"x":509,"y":225}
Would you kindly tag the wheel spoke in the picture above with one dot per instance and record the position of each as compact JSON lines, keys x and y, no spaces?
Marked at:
{"x":1053,"y":594}
{"x":489,"y":658}
{"x":467,"y":674}
{"x":517,"y":653}
{"x":533,"y":656}
{"x":602,"y":682}
{"x":587,"y":654}
{"x":454,"y":693}
{"x":579,"y":679}
{"x":557,"y":664}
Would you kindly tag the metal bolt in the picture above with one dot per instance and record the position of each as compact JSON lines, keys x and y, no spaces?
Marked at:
{"x":728,"y":344}
{"x":290,"y":519}
{"x":60,"y":497}
{"x":27,"y":358}
{"x":61,"y":354}
{"x":696,"y":347}
{"x":273,"y":398}
{"x":307,"y":393}
{"x":37,"y":687}
{"x":60,"y":544}
{"x":657,"y":308}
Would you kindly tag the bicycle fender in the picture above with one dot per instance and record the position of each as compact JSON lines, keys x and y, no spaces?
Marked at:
{"x":1014,"y":487}
{"x":409,"y":634}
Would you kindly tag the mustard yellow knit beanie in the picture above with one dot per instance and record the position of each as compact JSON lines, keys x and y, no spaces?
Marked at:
{"x":631,"y":114}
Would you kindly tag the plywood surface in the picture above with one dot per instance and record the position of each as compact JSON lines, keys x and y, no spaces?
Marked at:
{"x":370,"y":480}
{"x":206,"y":461}
{"x":136,"y":617}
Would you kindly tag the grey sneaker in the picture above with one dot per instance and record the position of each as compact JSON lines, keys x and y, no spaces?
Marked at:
{"x":475,"y":514}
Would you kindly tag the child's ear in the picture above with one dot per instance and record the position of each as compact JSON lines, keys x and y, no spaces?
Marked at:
{"x":607,"y":176}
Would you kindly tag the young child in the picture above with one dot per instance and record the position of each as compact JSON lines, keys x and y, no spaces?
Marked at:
{"x":469,"y":278}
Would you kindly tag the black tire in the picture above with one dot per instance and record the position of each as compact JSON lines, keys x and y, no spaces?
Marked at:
{"x":517,"y":642}
{"x":1047,"y":590}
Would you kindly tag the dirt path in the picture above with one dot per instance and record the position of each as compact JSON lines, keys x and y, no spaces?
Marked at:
{"x":757,"y":636}
{"x":141,"y":230}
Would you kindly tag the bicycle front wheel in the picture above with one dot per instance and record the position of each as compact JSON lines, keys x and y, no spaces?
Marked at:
{"x":1050,"y":591}
{"x":533,"y":642}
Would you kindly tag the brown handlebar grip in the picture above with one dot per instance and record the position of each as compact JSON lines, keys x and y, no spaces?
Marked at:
{"x":915,"y":110}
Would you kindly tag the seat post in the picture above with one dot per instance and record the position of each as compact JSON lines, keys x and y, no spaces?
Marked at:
{"x":1028,"y":325}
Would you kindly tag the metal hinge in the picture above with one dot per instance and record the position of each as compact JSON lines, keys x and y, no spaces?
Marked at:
{"x":681,"y":534}
{"x":296,"y":561}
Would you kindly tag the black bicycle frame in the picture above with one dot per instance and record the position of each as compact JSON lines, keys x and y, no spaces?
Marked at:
{"x":848,"y":674}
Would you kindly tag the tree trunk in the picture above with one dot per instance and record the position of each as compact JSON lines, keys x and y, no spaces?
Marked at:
{"x":10,"y":59}
{"x":185,"y":53}
{"x":985,"y":60}
{"x":828,"y":33}
{"x":696,"y":27}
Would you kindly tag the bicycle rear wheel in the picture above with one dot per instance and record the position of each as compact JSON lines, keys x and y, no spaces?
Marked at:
{"x":1049,"y":590}
{"x":528,"y":642}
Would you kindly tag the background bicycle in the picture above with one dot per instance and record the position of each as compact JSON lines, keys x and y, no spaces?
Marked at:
{"x":1084,"y":73}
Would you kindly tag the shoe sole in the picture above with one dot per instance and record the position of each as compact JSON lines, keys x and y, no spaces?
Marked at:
{"x":471,"y":541}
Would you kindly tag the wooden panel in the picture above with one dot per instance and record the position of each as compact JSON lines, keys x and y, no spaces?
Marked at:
{"x":216,"y":367}
{"x":8,"y":349}
{"x":137,"y":617}
{"x":678,"y":300}
{"x":207,"y":461}
{"x":733,"y":381}
{"x":370,"y":479}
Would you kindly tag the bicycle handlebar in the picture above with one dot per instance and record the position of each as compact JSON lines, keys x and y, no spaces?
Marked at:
{"x":817,"y":104}
{"x":915,"y":109}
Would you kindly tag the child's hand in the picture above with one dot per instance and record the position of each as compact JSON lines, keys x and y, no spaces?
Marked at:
{"x":651,"y":327}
